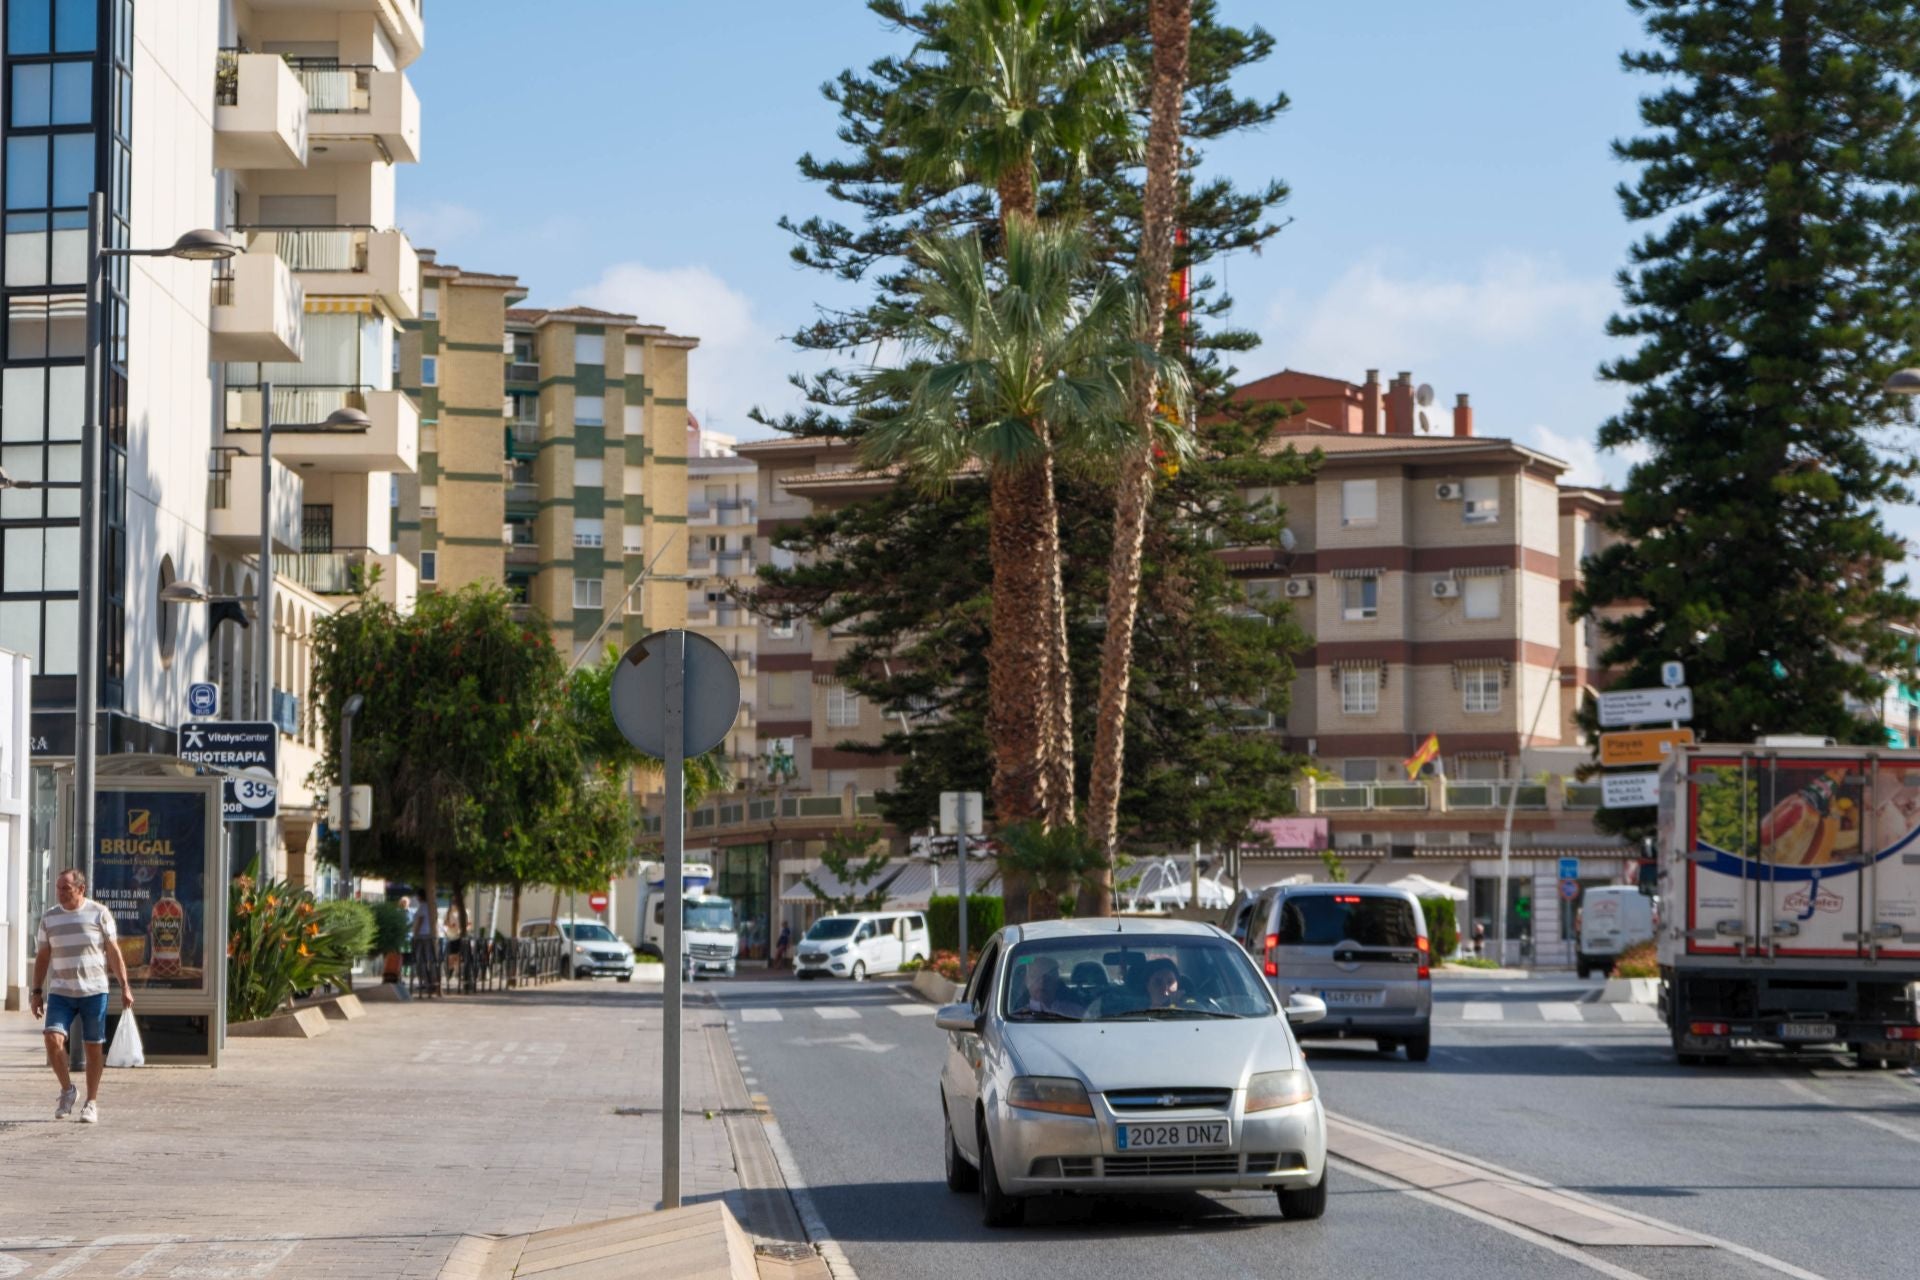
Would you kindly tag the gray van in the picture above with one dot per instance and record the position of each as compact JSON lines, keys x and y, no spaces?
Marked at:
{"x":1360,"y":948}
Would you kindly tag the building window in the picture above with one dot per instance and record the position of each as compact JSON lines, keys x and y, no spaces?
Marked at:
{"x":590,"y":411}
{"x":1360,"y":692}
{"x":1360,"y":771}
{"x":1483,"y":500}
{"x":587,"y":473}
{"x":780,"y":688}
{"x":430,"y":302}
{"x":635,"y":353}
{"x":1360,"y":599}
{"x":1480,"y":598}
{"x":843,"y":707}
{"x":429,"y":566}
{"x":429,"y":499}
{"x":1359,"y":503}
{"x":587,"y":593}
{"x":429,"y":370}
{"x":631,"y":478}
{"x":783,"y":629}
{"x":632,"y":415}
{"x":1480,"y":689}
{"x":588,"y":533}
{"x":633,"y":539}
{"x":589,"y":348}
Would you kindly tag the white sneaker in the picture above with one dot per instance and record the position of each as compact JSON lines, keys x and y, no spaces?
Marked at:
{"x":65,"y":1107}
{"x":89,"y":1114}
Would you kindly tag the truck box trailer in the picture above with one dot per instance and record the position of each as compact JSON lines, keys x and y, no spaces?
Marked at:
{"x":1790,"y":884}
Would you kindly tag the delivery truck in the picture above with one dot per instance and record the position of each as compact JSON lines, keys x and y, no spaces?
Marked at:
{"x":1789,"y":873}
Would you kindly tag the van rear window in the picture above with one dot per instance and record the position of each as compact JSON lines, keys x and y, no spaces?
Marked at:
{"x":1324,"y":920}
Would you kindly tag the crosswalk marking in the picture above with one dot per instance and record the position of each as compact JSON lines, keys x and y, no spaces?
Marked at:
{"x":1637,"y":1012}
{"x":835,"y":1012}
{"x":1560,"y":1011}
{"x":759,"y":1015}
{"x":912,"y":1010}
{"x":1483,"y":1011}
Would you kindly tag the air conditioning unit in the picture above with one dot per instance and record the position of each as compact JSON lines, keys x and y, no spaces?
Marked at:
{"x":1445,"y":589}
{"x":1299,"y":588}
{"x":1449,"y":490}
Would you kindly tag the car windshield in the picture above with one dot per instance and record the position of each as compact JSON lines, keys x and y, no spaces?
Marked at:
{"x":1328,"y":919}
{"x":710,"y":917}
{"x":589,"y":933}
{"x":832,"y":927}
{"x":1133,"y":977}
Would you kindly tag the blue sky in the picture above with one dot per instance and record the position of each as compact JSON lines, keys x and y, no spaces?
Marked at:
{"x":1453,"y":210}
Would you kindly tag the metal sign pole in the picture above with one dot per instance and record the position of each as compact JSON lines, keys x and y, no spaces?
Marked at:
{"x":673,"y":827}
{"x":962,"y":838}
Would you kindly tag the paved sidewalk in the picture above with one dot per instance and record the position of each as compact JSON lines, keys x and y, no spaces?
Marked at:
{"x":370,"y":1151}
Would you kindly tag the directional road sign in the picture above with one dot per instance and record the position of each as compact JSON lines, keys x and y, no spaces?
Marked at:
{"x":1629,"y":790}
{"x":1621,"y":707}
{"x":1569,"y":868}
{"x":1641,"y":746}
{"x":1569,"y":889}
{"x":203,"y":700}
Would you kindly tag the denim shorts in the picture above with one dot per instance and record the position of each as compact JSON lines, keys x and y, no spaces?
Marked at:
{"x":91,"y":1010}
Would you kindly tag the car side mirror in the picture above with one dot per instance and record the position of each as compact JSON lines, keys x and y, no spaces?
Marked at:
{"x":1302,"y":1009}
{"x":961,"y":1017}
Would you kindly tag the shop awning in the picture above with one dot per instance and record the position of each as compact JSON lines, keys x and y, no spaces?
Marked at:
{"x":908,"y":882}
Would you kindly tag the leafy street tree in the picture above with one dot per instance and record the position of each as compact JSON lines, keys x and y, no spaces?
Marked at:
{"x":1006,"y":363}
{"x":1171,"y":21}
{"x":854,"y":858}
{"x":1053,"y":861}
{"x":1772,"y":296}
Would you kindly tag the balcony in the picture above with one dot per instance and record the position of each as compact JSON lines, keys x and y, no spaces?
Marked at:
{"x":257,"y":307}
{"x":1494,"y":795}
{"x":390,"y":443}
{"x":259,"y":114}
{"x":523,"y":440}
{"x":347,"y":262}
{"x":524,"y":495}
{"x":403,"y":21}
{"x":523,"y":553}
{"x":522,"y":371}
{"x":1355,"y":797}
{"x":359,"y":114}
{"x":733,"y":512}
{"x":734,"y":564}
{"x":343,"y":571}
{"x":233,"y":501}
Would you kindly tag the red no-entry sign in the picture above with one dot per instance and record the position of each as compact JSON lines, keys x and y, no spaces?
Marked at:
{"x":598,"y":901}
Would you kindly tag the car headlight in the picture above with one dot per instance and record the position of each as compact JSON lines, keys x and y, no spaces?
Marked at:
{"x":579,"y":950}
{"x":1061,"y":1095}
{"x":1272,"y":1089}
{"x":839,"y":951}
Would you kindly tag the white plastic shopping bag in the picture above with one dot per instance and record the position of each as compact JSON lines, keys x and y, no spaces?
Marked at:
{"x":126,"y":1051}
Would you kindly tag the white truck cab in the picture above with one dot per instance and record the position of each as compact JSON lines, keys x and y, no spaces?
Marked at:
{"x":710,"y":934}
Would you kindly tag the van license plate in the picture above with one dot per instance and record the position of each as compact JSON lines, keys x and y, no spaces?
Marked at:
{"x":1188,"y":1133}
{"x":1808,"y":1031}
{"x":1353,"y":998}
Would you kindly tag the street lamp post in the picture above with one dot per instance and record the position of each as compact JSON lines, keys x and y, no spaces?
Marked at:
{"x":194,"y":246}
{"x":347,"y":713}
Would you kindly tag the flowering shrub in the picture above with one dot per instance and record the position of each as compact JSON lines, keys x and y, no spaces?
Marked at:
{"x":1641,"y":960}
{"x":281,"y":942}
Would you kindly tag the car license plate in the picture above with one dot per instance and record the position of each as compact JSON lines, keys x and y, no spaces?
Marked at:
{"x":1185,"y":1133}
{"x":1352,"y":998}
{"x":1807,"y":1031}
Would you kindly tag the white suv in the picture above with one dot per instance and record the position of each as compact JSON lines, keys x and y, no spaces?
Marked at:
{"x":592,"y":947}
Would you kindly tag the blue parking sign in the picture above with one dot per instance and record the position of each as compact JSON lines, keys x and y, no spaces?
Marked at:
{"x":1569,"y":868}
{"x":203,"y":700}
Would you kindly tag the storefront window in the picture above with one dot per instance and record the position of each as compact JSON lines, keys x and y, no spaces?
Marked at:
{"x":741,"y":874}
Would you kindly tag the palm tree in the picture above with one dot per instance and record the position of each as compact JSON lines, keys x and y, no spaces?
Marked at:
{"x":999,"y":87}
{"x":1170,"y":24}
{"x":1006,"y":364}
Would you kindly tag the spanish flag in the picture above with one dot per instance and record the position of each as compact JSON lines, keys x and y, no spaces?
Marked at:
{"x":1428,"y":752}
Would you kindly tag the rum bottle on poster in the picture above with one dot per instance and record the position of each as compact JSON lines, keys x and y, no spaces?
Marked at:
{"x":166,"y":932}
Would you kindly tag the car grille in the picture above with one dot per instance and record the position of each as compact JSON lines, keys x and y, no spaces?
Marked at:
{"x":609,"y":957}
{"x":1168,"y":1099}
{"x":1170,"y":1165}
{"x":813,"y":957}
{"x":711,"y":951}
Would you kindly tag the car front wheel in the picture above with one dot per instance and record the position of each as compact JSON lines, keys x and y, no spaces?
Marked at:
{"x":859,"y":971}
{"x":961,"y":1176}
{"x":997,"y":1208}
{"x":1306,"y":1203}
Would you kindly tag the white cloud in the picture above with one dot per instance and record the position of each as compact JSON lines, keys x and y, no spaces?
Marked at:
{"x":741,"y":362}
{"x":442,"y":225}
{"x":1586,"y":464}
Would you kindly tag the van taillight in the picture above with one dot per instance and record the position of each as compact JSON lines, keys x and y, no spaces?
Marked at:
{"x":1903,"y":1033}
{"x":1426,"y":970}
{"x":1709,"y":1028}
{"x":1272,"y":966}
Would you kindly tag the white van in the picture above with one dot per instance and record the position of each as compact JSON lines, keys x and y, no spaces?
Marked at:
{"x":591,"y":947}
{"x":1612,"y":918}
{"x":709,"y":932}
{"x":853,"y":946}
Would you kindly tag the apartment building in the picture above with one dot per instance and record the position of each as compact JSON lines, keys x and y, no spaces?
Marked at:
{"x":722,"y":499}
{"x":280,"y":123}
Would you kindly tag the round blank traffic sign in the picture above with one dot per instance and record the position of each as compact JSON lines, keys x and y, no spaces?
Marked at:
{"x":711,"y":700}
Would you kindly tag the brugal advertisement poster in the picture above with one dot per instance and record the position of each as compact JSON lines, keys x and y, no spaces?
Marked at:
{"x":149,"y":869}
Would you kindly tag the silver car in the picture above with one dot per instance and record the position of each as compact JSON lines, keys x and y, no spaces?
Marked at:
{"x":1361,"y":949}
{"x":1121,"y":1055}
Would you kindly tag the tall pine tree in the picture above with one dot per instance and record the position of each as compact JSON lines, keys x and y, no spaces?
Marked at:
{"x":1772,"y":296}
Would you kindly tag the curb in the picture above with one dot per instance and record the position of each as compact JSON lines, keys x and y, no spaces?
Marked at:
{"x":935,"y":988}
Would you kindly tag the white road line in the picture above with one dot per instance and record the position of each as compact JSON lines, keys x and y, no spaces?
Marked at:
{"x":1889,"y":1126}
{"x":1572,"y":1253}
{"x":760,"y":1015}
{"x":1483,"y":1011}
{"x":913,"y":1010}
{"x":1752,"y":1255}
{"x":1560,"y":1011}
{"x":836,"y":1012}
{"x":838,"y":1264}
{"x":1636,"y":1012}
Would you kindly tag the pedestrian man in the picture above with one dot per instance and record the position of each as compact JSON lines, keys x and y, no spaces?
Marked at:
{"x":780,"y":948}
{"x":77,"y":948}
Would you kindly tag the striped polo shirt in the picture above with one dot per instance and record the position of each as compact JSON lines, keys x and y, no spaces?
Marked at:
{"x":79,"y":939}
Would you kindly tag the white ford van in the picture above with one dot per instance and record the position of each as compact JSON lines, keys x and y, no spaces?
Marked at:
{"x":1612,"y":918}
{"x":853,"y":946}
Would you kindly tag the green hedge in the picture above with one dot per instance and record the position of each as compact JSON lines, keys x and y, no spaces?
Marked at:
{"x":984,"y":918}
{"x":1443,"y":927}
{"x":389,"y":928}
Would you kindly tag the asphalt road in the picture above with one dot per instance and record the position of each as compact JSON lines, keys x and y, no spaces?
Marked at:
{"x":1800,"y":1167}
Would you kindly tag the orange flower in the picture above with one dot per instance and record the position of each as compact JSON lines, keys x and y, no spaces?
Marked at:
{"x":304,"y":951}
{"x":272,"y":901}
{"x":246,"y":906}
{"x":305,"y":908}
{"x":313,"y":931}
{"x":232,"y":944}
